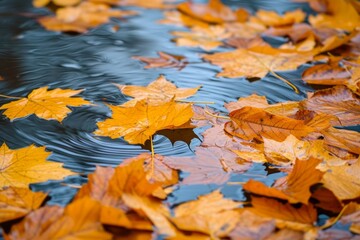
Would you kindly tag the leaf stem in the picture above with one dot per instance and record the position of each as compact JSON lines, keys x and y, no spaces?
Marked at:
{"x":217,"y":116}
{"x":199,"y":102}
{"x":152,"y":171}
{"x":11,"y":97}
{"x":327,"y":225}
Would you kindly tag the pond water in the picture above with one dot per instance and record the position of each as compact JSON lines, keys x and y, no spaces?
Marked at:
{"x":31,"y":57}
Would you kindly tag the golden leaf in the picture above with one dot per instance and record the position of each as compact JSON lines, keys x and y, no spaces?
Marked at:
{"x":28,"y":165}
{"x":249,"y":123}
{"x":44,"y":103}
{"x":17,"y":202}
{"x":272,"y":18}
{"x":157,"y":92}
{"x":137,"y":124}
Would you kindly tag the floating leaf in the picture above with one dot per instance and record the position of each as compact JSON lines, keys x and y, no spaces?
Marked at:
{"x":17,"y":202}
{"x":137,"y":124}
{"x":164,"y":60}
{"x":272,"y":18}
{"x":28,"y":165}
{"x":44,"y":103}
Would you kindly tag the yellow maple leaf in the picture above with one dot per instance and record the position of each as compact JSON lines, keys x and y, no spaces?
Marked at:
{"x":28,"y":165}
{"x":44,"y":103}
{"x":137,"y":124}
{"x":156,"y":92}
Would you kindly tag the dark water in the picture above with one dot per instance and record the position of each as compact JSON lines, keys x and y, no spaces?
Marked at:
{"x":31,"y":57}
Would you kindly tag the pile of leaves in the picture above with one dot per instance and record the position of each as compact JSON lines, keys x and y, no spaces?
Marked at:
{"x":305,"y":139}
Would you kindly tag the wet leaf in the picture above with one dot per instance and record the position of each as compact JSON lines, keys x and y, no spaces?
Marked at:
{"x":137,"y":124}
{"x":338,"y":101}
{"x":163,"y":61}
{"x":179,"y":19}
{"x":42,"y":3}
{"x":212,"y":12}
{"x":239,"y":42}
{"x":17,"y":202}
{"x":157,"y":92}
{"x":272,"y":18}
{"x":44,"y":103}
{"x":344,"y":139}
{"x":254,"y":123}
{"x":326,"y":74}
{"x":79,"y":220}
{"x":211,"y":214}
{"x":326,"y":200}
{"x":295,"y":187}
{"x":257,"y":61}
{"x":210,"y":165}
{"x":28,"y":165}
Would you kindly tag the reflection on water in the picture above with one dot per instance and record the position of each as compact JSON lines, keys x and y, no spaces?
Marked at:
{"x":31,"y":57}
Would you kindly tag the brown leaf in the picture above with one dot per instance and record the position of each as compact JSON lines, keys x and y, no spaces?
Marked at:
{"x":254,"y":123}
{"x":295,"y":32}
{"x":241,"y":42}
{"x":344,"y":139}
{"x":17,"y":202}
{"x":325,"y":199}
{"x":257,"y":61}
{"x":210,"y":165}
{"x":272,"y":18}
{"x":295,"y":187}
{"x":338,"y":101}
{"x":211,"y":214}
{"x":154,"y":4}
{"x":326,"y":74}
{"x":165,"y":60}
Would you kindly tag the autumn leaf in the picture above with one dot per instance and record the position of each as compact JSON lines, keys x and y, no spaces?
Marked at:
{"x":205,"y":38}
{"x":28,"y":165}
{"x":325,"y":199}
{"x":326,"y":74}
{"x":352,"y":216}
{"x":295,"y":187}
{"x":137,"y":124}
{"x":17,"y":202}
{"x":44,"y":103}
{"x":210,"y":165}
{"x":165,"y":60}
{"x":212,"y":12}
{"x":338,"y":101}
{"x":267,"y":207}
{"x":157,"y":92}
{"x":179,"y":19}
{"x":42,"y":3}
{"x":254,"y":123}
{"x":272,"y":18}
{"x":257,"y":61}
{"x":344,"y":139}
{"x":79,"y":220}
{"x":211,"y":214}
{"x":241,"y":42}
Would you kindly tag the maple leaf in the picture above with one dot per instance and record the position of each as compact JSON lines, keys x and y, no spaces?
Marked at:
{"x":271,"y":18}
{"x":211,"y":214}
{"x":137,"y":124}
{"x":257,"y":61}
{"x":210,"y":165}
{"x":241,"y":42}
{"x":180,"y":19}
{"x":339,"y":101}
{"x":82,"y":17}
{"x":344,"y":139}
{"x":212,"y":12}
{"x":205,"y":38}
{"x":249,"y":123}
{"x":165,"y":60}
{"x":340,"y":15}
{"x":157,"y":92}
{"x":295,"y":32}
{"x":325,"y":199}
{"x":326,"y":74}
{"x":44,"y":103}
{"x":28,"y":165}
{"x":295,"y":187}
{"x":17,"y":202}
{"x":79,"y":220}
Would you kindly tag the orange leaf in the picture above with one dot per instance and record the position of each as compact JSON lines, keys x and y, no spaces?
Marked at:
{"x":28,"y":165}
{"x":137,"y":124}
{"x":211,"y":214}
{"x":44,"y":104}
{"x":249,"y":123}
{"x":157,"y":92}
{"x":212,"y":12}
{"x":344,"y":139}
{"x":177,"y":18}
{"x":257,"y":61}
{"x":17,"y":202}
{"x":272,"y":208}
{"x":165,"y":60}
{"x":271,"y":18}
{"x":338,"y":101}
{"x":295,"y":188}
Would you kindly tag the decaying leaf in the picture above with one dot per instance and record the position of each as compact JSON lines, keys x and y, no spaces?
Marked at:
{"x":257,"y":61}
{"x":44,"y":103}
{"x":163,"y":61}
{"x":17,"y":202}
{"x":137,"y":124}
{"x":295,"y":187}
{"x":28,"y":165}
{"x":157,"y":92}
{"x":211,"y":214}
{"x":254,"y":123}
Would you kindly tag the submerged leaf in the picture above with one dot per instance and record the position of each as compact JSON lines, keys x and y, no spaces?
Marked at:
{"x":163,"y":61}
